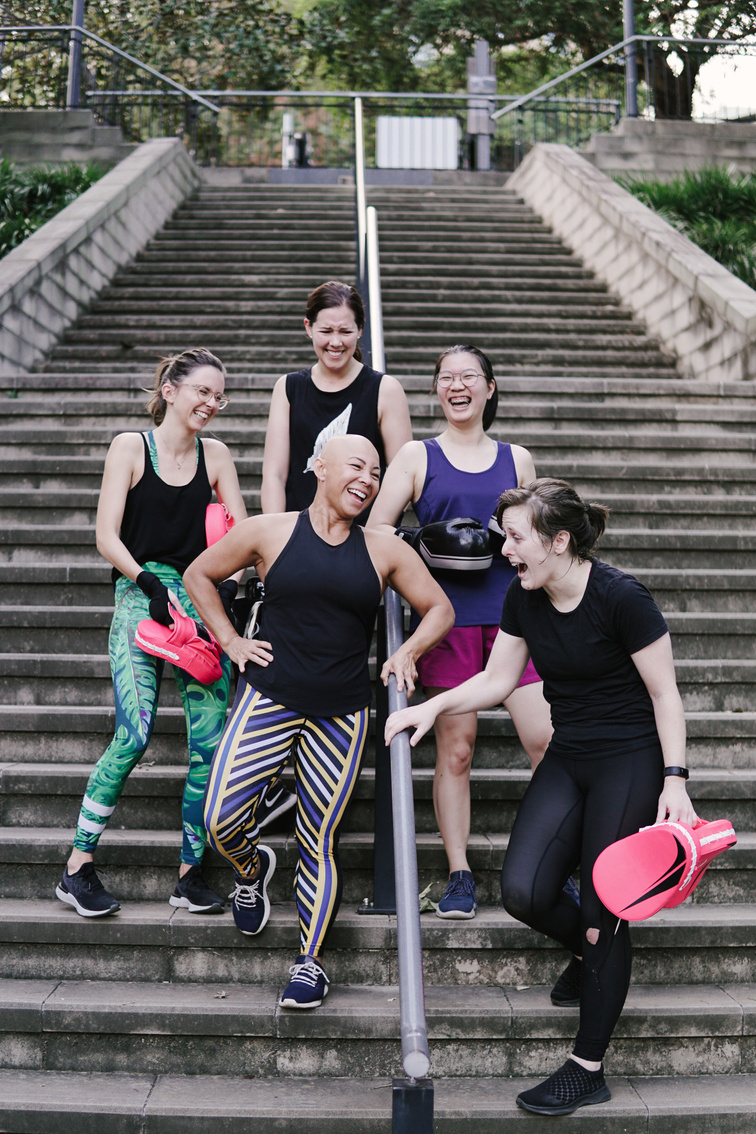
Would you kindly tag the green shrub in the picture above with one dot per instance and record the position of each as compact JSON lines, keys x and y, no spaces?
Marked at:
{"x":31,"y":195}
{"x":714,"y":208}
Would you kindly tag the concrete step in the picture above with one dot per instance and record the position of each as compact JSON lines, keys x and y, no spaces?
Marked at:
{"x":49,"y":795}
{"x":142,"y":864}
{"x":145,"y":1028}
{"x":152,"y":941}
{"x":54,"y":1102}
{"x":56,"y":734}
{"x":83,"y":679}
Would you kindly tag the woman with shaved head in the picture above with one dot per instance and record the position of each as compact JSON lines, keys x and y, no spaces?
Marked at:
{"x":305,"y":688}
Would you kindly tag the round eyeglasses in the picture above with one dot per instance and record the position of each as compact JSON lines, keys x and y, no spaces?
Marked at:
{"x":467,"y":378}
{"x":208,"y":395}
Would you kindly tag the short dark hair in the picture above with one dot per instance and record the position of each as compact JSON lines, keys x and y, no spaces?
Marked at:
{"x":489,"y":413}
{"x":334,"y":293}
{"x":172,"y":369}
{"x":555,"y":507}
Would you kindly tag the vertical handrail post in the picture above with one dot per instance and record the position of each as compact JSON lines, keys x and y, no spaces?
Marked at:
{"x":414,"y":1033}
{"x":375,"y":302}
{"x":359,"y":185}
{"x":73,"y":91}
{"x":631,"y":65}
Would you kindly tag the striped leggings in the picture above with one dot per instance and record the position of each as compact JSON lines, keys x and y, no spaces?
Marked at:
{"x":258,"y":740}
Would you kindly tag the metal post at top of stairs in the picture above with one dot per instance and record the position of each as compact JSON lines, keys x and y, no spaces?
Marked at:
{"x":73,"y":92}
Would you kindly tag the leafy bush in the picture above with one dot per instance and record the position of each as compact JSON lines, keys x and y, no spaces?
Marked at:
{"x":31,"y":195}
{"x":714,"y":208}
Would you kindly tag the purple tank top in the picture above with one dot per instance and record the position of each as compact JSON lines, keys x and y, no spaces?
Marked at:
{"x":476,"y":596}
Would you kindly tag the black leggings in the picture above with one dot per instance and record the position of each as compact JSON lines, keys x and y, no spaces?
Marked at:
{"x":571,"y":811}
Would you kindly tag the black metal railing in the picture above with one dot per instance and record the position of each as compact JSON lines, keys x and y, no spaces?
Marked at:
{"x":283,"y":128}
{"x":36,"y":72}
{"x":652,"y":77}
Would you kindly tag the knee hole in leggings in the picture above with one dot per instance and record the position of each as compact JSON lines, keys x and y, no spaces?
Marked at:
{"x":592,"y":936}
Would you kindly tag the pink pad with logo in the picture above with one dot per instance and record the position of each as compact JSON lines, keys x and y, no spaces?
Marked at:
{"x":658,"y":867}
{"x":182,"y":645}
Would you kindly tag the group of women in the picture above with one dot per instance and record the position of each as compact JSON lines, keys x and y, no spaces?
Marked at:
{"x":577,"y":651}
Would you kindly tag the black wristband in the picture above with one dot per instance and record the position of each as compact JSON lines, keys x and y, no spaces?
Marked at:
{"x":675,"y":770}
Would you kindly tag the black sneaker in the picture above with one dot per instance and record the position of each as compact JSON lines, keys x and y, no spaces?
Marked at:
{"x":568,"y":1088}
{"x":193,"y":893}
{"x":308,"y":986}
{"x":566,"y":991}
{"x":86,"y":893}
{"x":276,"y":801}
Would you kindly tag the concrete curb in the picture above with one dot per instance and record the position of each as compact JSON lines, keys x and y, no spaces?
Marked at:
{"x":48,"y":280}
{"x":701,"y":313}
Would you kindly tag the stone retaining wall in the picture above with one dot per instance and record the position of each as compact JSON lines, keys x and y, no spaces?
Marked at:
{"x":700,"y":312}
{"x":48,"y":280}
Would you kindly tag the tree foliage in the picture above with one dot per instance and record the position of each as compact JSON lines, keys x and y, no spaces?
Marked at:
{"x":221,"y":44}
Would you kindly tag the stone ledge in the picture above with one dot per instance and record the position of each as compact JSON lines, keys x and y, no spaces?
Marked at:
{"x":561,"y":185}
{"x":158,"y":174}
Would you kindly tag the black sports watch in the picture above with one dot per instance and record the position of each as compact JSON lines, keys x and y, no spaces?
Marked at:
{"x":674,"y":770}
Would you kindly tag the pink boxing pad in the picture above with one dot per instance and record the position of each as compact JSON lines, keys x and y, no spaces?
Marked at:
{"x":658,"y":867}
{"x":183,"y":645}
{"x":218,"y":521}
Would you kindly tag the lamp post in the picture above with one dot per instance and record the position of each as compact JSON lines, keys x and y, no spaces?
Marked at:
{"x":73,"y":91}
{"x":631,"y":69}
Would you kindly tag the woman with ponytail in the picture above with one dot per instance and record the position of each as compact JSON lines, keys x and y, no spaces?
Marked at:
{"x":150,"y":526}
{"x":616,"y":761}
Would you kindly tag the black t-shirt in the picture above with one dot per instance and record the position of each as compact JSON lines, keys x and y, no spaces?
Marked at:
{"x":315,"y":416}
{"x":598,"y":700}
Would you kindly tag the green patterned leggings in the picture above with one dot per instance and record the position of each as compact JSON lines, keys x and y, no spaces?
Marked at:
{"x":136,"y":684}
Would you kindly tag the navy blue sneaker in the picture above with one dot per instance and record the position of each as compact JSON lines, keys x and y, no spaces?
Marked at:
{"x":250,"y":901}
{"x":308,"y":986}
{"x":459,"y":897}
{"x":275,"y":801}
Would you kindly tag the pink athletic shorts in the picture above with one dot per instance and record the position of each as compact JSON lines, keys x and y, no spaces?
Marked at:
{"x":460,"y":655}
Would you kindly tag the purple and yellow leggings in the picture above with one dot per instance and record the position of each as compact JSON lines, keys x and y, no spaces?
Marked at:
{"x":258,"y":739}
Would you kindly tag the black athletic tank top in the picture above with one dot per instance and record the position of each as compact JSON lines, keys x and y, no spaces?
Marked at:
{"x":318,"y":615}
{"x":315,"y":416}
{"x":165,"y":523}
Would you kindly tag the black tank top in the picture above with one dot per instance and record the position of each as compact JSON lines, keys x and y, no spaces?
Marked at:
{"x":315,"y":416}
{"x":318,"y":615}
{"x":165,"y":523}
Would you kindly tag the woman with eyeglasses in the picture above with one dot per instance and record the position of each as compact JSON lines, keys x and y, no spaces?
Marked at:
{"x":150,"y":526}
{"x":463,"y":472}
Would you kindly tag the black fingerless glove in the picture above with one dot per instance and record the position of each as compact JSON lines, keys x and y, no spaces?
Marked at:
{"x":157,"y":593}
{"x":227,"y":591}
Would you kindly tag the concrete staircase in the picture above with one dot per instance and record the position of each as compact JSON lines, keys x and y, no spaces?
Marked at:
{"x":53,"y":137}
{"x":160,"y":1021}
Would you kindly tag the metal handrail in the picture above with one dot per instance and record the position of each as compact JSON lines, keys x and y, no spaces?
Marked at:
{"x":622,"y":46}
{"x":116,"y":51}
{"x":375,"y":303}
{"x":414,"y":1032}
{"x":360,"y":195}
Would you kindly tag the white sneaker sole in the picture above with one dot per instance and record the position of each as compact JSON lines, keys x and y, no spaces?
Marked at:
{"x":456,"y":915}
{"x":295,"y":1003}
{"x":185,"y":904}
{"x":70,"y":900}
